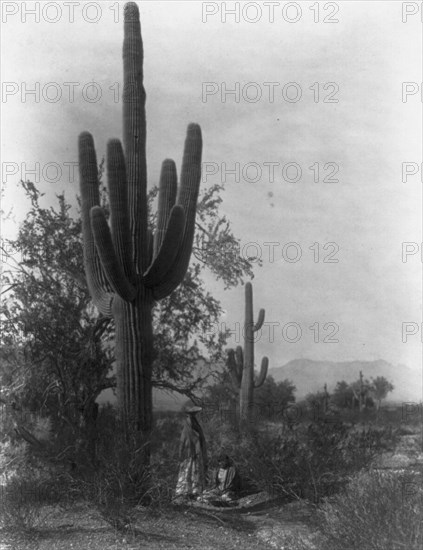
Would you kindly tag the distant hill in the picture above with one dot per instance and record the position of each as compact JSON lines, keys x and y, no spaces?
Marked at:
{"x":310,"y":376}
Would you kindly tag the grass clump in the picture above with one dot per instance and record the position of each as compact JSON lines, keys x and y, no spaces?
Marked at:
{"x":379,"y":510}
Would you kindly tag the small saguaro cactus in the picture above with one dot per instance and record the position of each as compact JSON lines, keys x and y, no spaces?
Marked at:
{"x":359,"y":392}
{"x":127,"y":269}
{"x":326,"y":398}
{"x":241,"y":361}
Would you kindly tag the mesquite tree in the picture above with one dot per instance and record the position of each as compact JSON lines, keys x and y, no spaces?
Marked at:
{"x":241,"y":362}
{"x":128,"y":269}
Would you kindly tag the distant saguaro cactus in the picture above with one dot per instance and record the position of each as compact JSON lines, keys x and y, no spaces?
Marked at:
{"x":241,"y":362}
{"x":127,"y":269}
{"x":360,"y":391}
{"x":326,"y":398}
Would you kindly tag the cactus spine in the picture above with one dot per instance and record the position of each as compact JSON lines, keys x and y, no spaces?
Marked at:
{"x":126,"y":269}
{"x":241,"y":361}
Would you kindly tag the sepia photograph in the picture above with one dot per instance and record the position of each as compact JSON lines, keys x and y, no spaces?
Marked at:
{"x":211,"y":247}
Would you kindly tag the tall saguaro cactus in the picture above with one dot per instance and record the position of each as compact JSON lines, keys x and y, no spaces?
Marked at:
{"x":241,"y":362}
{"x":127,"y":269}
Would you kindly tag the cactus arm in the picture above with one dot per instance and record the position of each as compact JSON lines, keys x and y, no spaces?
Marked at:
{"x":103,"y":241}
{"x":191,"y":170}
{"x":150,"y":246}
{"x":134,"y":127}
{"x":167,"y":197}
{"x":260,"y":321}
{"x":168,"y":250}
{"x":187,"y":198}
{"x":96,"y":279}
{"x":263,"y":373}
{"x":248,"y":306}
{"x":118,"y":198}
{"x":233,"y":370}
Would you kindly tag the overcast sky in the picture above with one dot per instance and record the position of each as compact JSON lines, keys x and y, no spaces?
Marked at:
{"x":336,"y":104}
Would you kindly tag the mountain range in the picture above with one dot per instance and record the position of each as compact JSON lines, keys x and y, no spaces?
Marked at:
{"x":310,"y":376}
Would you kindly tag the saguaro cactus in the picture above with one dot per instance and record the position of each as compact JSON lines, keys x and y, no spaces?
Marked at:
{"x":325,"y":398}
{"x":127,"y":269}
{"x":241,"y":362}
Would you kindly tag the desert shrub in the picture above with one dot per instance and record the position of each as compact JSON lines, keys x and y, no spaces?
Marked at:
{"x":25,"y":500}
{"x":19,"y":505}
{"x":312,"y":462}
{"x":118,"y":483}
{"x":28,"y":486}
{"x":64,"y":472}
{"x":164,"y":459}
{"x":377,"y":511}
{"x":405,"y":414}
{"x":34,"y":455}
{"x":300,"y":541}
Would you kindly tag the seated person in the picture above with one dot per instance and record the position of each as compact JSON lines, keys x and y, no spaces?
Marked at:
{"x":226,"y":482}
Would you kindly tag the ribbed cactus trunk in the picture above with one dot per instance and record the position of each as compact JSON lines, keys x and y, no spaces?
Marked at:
{"x":127,"y":268}
{"x":134,"y":356}
{"x":241,"y":362}
{"x":246,"y":401}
